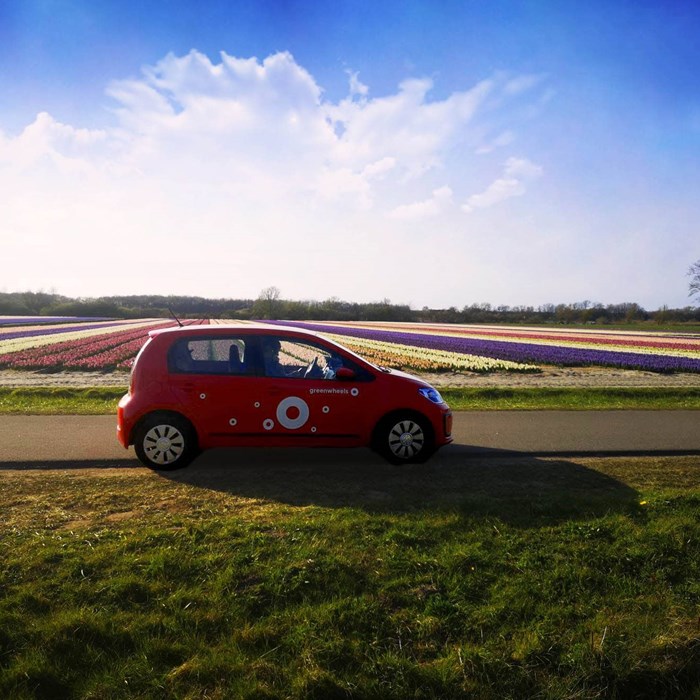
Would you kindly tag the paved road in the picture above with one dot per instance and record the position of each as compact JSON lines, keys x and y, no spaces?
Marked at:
{"x":64,"y":440}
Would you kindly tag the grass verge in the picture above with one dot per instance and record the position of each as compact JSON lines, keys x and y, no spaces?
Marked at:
{"x":103,"y":400}
{"x":578,"y":398}
{"x":505,"y":578}
{"x":60,"y":400}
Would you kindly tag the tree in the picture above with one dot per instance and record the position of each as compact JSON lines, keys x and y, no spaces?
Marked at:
{"x":694,"y":274}
{"x":266,"y":303}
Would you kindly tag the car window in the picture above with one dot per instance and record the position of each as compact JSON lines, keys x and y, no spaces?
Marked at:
{"x":219,"y":355}
{"x":297,"y":359}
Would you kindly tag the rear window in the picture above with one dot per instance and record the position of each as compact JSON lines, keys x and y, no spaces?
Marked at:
{"x":218,"y":355}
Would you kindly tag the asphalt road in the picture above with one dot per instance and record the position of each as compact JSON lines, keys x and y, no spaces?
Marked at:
{"x":51,"y":441}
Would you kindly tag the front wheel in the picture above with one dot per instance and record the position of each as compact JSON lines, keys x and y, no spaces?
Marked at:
{"x":404,"y":439}
{"x":165,"y":442}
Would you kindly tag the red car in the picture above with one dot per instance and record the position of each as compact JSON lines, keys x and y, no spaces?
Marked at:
{"x":198,"y":387}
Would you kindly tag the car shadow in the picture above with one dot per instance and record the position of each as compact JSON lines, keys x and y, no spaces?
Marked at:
{"x":512,"y":486}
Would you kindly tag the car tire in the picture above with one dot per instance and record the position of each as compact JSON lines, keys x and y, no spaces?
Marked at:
{"x":404,"y":438}
{"x":165,"y":441}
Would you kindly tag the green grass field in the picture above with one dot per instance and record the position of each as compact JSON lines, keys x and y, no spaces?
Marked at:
{"x":104,"y":400}
{"x":492,"y":578}
{"x":60,"y":400}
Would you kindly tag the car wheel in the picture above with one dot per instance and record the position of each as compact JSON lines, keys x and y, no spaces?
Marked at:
{"x":404,"y":439}
{"x":166,"y":442}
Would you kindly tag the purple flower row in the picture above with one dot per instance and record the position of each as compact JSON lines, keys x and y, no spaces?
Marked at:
{"x":516,"y":351}
{"x":36,"y":320}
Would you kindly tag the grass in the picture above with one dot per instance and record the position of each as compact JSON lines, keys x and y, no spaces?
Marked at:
{"x":579,"y":398}
{"x":77,"y":401}
{"x":60,"y":400}
{"x":499,"y":578}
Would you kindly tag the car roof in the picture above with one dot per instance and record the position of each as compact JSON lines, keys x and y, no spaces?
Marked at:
{"x":228,"y":328}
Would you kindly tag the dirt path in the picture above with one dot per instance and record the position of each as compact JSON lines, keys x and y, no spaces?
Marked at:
{"x":566,"y":377}
{"x":16,"y":378}
{"x":550,"y":376}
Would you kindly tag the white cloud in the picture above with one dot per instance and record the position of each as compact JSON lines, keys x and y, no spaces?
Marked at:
{"x":46,"y":140}
{"x":356,"y":86}
{"x":512,"y":183}
{"x":244,"y":120}
{"x":505,"y":138}
{"x":434,"y":206}
{"x":242,"y":161}
{"x":522,"y":168}
{"x":405,"y":126}
{"x":522,"y":84}
{"x":379,"y":168}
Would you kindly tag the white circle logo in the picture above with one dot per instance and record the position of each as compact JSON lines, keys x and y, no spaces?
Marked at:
{"x":354,"y":391}
{"x":326,"y":409}
{"x":298,"y":407}
{"x":233,"y":421}
{"x":268,"y":424}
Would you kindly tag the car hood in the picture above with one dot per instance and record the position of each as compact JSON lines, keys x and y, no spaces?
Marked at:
{"x":411,"y":377}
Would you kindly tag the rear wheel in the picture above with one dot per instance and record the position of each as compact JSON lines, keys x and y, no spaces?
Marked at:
{"x":165,"y":441}
{"x":405,"y":439}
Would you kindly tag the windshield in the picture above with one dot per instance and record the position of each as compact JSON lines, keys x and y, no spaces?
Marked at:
{"x":355,"y":356}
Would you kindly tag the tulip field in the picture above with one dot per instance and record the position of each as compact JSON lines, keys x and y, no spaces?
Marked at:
{"x":86,"y":345}
{"x":105,"y":345}
{"x":426,"y":359}
{"x":435,"y":347}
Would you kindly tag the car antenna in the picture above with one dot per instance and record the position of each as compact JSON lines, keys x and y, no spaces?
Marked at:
{"x":179,"y":323}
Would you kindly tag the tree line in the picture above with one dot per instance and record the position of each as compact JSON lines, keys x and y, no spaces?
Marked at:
{"x":270,"y":305}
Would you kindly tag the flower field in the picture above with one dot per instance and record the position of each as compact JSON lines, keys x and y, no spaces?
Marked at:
{"x":82,"y":346}
{"x":423,"y":359}
{"x":106,"y":345}
{"x":447,"y":346}
{"x":28,"y":336}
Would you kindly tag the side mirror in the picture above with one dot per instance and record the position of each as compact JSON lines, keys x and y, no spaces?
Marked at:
{"x":344,"y":373}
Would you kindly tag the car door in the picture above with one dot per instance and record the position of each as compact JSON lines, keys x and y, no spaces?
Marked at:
{"x":217,"y":383}
{"x":302,"y":402}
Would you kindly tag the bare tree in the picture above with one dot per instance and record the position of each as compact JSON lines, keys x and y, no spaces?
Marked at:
{"x":268,"y":299}
{"x":694,"y":274}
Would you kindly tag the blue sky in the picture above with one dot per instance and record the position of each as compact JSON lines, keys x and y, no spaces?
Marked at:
{"x":432,"y":153}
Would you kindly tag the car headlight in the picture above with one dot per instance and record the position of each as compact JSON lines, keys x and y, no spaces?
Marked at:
{"x":431,"y":394}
